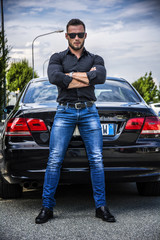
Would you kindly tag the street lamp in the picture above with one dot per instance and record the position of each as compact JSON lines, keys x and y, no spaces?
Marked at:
{"x":44,"y":64}
{"x":58,"y":31}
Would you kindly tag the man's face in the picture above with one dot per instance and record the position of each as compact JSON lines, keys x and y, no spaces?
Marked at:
{"x":76,"y":43}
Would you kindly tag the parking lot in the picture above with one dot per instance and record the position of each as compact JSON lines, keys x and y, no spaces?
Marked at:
{"x":137,"y":217}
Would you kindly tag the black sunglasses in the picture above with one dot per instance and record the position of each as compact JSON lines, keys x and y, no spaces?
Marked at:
{"x":73,"y":35}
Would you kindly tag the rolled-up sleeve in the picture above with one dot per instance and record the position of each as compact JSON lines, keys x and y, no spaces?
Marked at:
{"x":55,"y":72}
{"x":99,"y":75}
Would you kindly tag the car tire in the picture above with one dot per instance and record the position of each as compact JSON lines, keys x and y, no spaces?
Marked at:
{"x":148,"y":188}
{"x":8,"y":191}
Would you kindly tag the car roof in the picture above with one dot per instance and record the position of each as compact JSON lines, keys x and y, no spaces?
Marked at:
{"x":108,"y":78}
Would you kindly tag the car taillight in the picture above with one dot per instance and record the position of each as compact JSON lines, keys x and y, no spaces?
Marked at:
{"x":23,"y":126}
{"x":134,"y":124}
{"x":151,"y":126}
{"x":36,"y":124}
{"x":17,"y":127}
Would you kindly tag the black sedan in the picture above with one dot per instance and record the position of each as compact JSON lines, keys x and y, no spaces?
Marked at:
{"x":131,"y":139}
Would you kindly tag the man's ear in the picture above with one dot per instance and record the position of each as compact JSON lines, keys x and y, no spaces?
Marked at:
{"x":66,"y":36}
{"x":85,"y":35}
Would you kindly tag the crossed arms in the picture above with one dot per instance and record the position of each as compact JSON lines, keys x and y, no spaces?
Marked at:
{"x":56,"y":75}
{"x":79,"y":79}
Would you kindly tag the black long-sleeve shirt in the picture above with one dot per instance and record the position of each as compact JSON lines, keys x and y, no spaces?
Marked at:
{"x":66,"y":62}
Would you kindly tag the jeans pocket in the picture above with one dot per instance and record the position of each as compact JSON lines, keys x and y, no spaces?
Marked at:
{"x":92,"y":109}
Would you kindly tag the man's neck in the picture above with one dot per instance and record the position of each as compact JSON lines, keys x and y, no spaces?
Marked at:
{"x":77,"y":53}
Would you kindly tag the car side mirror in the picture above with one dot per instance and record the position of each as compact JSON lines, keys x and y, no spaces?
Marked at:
{"x":8,"y":109}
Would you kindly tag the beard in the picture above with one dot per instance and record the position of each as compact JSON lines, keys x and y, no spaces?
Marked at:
{"x":76,"y":48}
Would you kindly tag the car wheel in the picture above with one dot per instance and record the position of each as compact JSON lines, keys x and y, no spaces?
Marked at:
{"x":8,"y":191}
{"x":148,"y":188}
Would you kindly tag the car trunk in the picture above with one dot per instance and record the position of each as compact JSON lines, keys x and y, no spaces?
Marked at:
{"x":113,"y":119}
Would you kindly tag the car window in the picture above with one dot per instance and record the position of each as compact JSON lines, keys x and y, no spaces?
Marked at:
{"x":116,"y":91}
{"x":40,"y":92}
{"x":111,"y":91}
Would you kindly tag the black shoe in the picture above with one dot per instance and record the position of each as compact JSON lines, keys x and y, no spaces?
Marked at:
{"x":104,"y":213}
{"x":44,"y":215}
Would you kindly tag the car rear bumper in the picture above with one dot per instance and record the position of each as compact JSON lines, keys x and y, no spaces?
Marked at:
{"x":70,"y":176}
{"x":120,"y":164}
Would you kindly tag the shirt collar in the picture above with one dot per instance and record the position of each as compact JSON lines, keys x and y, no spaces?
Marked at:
{"x":84,"y":52}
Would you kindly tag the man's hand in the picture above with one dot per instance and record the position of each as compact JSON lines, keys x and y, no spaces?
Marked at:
{"x":93,"y":69}
{"x":80,"y":79}
{"x":77,"y":84}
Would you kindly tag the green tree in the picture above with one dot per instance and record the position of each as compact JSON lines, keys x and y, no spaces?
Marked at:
{"x":3,"y":66}
{"x":19,"y":74}
{"x":147,"y":88}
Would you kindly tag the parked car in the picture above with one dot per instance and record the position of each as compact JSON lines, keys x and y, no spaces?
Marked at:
{"x":156,"y":107}
{"x":131,"y":139}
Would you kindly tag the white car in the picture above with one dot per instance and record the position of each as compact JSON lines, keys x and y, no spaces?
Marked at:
{"x":156,"y":108}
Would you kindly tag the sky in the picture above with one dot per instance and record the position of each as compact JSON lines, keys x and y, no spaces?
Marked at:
{"x":125,"y":33}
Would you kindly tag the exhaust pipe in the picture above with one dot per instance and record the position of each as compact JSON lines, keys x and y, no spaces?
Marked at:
{"x":30,"y":185}
{"x":34,"y":184}
{"x":26,"y":184}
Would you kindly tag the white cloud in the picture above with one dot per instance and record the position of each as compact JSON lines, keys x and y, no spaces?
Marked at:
{"x":125,"y":33}
{"x":40,"y":5}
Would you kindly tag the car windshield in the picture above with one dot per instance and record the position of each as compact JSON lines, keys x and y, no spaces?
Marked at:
{"x":40,"y":92}
{"x":116,"y":91}
{"x":111,"y":91}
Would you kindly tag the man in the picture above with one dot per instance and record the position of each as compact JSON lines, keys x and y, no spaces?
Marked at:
{"x":75,"y":71}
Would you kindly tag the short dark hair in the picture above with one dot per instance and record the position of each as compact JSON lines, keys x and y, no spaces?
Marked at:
{"x":75,"y":22}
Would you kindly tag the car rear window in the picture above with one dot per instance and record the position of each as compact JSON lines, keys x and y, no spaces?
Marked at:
{"x":111,"y":91}
{"x":116,"y":91}
{"x":40,"y":92}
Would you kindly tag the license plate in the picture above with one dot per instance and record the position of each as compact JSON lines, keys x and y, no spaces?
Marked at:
{"x":107,"y":130}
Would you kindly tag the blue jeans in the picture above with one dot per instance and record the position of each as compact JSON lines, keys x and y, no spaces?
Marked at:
{"x":88,"y":122}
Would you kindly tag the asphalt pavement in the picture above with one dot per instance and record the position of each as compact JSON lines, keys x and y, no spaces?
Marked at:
{"x":138,"y":218}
